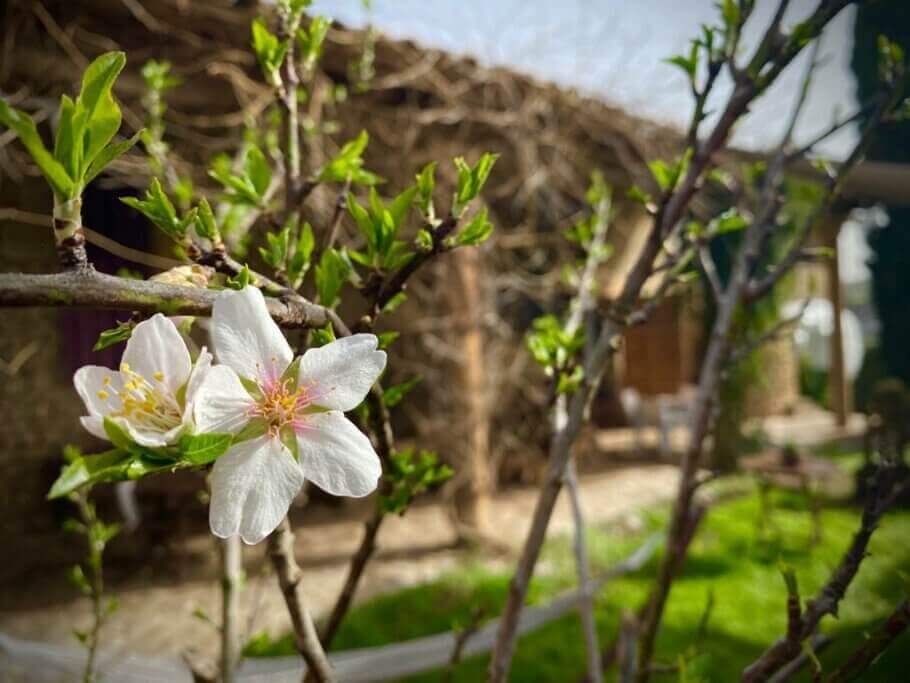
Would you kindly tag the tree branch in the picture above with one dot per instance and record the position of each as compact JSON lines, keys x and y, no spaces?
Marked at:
{"x":828,"y":598}
{"x":281,"y":553}
{"x":873,"y":646}
{"x":90,"y":289}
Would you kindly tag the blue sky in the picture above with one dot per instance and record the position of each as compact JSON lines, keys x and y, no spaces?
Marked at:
{"x":613,"y":50}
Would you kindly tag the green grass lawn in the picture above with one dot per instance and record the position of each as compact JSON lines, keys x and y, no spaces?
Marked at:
{"x":728,"y":558}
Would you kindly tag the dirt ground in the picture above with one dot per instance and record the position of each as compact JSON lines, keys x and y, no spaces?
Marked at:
{"x":412,"y":549}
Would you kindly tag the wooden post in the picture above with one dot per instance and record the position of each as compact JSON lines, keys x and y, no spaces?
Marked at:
{"x":838,"y":385}
{"x":472,"y":494}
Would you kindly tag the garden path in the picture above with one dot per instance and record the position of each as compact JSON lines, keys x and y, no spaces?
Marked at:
{"x":413,"y":549}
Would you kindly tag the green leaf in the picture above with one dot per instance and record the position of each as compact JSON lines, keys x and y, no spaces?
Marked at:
{"x":348,"y":163}
{"x":108,"y":155}
{"x":322,"y":336}
{"x":636,"y":194}
{"x":400,"y":206}
{"x":386,"y":339}
{"x":730,"y":13}
{"x":241,"y":280}
{"x":363,"y":222}
{"x":311,"y":41}
{"x":249,"y":187}
{"x":90,"y":469}
{"x":392,"y":396}
{"x":299,"y":263}
{"x":118,"y":435}
{"x":426,"y":186}
{"x":477,"y":231}
{"x":729,"y":221}
{"x":54,"y":172}
{"x":202,"y":449}
{"x":258,"y":170}
{"x":66,"y":151}
{"x":424,"y":240}
{"x":156,"y":206}
{"x":143,"y":465}
{"x":269,"y":50}
{"x":114,"y":336}
{"x":409,"y":474}
{"x":157,"y":76}
{"x":395,"y":302}
{"x":331,"y":274}
{"x":97,"y":117}
{"x":77,"y":577}
{"x":471,"y":180}
{"x":206,"y":227}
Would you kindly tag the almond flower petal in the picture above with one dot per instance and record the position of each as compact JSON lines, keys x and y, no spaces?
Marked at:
{"x":342,"y":372}
{"x":336,"y":456}
{"x":253,"y":486}
{"x":246,"y":338}
{"x":155,"y":346}
{"x":254,"y":483}
{"x":222,"y":404}
{"x":142,"y":397}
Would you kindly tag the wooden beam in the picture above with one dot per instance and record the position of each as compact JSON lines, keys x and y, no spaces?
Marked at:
{"x":839,"y":390}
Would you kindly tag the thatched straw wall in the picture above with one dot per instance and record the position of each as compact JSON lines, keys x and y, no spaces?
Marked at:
{"x":421,"y":105}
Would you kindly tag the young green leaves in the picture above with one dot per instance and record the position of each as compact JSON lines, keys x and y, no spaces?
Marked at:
{"x":380,"y":224}
{"x":127,"y":460}
{"x":471,"y":180}
{"x":410,"y":474}
{"x":333,"y":270}
{"x":84,"y":142}
{"x":249,"y":186}
{"x":310,"y":41}
{"x":348,"y":164}
{"x":270,"y":51}
{"x":156,"y":206}
{"x":556,"y":350}
{"x":289,"y":251}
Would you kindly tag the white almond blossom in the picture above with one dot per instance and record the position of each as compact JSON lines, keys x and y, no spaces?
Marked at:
{"x":151,"y":396}
{"x":287,"y":417}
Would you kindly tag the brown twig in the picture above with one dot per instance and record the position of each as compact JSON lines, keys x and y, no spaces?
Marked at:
{"x":873,"y":646}
{"x":281,"y":552}
{"x":461,"y":640}
{"x":828,"y":598}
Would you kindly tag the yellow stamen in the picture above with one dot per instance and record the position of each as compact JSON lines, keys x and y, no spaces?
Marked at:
{"x":103,"y":395}
{"x":159,"y":376}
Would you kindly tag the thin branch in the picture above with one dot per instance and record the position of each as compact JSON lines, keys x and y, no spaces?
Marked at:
{"x":461,"y":640}
{"x":281,"y":552}
{"x":586,"y":601}
{"x":873,"y":646}
{"x":90,"y":289}
{"x":568,"y":418}
{"x":819,"y":643}
{"x":828,"y":598}
{"x":331,"y":234}
{"x":231,"y":571}
{"x":709,"y":268}
{"x":780,"y":327}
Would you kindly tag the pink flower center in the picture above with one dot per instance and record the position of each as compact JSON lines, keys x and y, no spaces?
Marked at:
{"x":284,"y":402}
